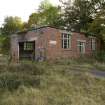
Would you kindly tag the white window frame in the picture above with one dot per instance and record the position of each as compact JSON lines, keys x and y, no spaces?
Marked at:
{"x":83,"y":45}
{"x":28,"y":46}
{"x":93,"y":44}
{"x":67,"y":39}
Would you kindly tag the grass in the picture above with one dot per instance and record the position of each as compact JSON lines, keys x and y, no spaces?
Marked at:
{"x":100,"y":66}
{"x":51,"y":83}
{"x":59,"y":89}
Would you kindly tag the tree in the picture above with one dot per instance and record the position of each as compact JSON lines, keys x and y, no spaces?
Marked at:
{"x":25,"y":26}
{"x":47,"y":14}
{"x":77,"y":15}
{"x":45,"y":4}
{"x":5,"y":45}
{"x":35,"y":19}
{"x":86,"y":16}
{"x":97,"y":27}
{"x":12,"y":25}
{"x":80,"y":13}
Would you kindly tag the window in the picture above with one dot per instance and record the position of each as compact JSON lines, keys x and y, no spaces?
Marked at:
{"x":93,"y":44}
{"x":66,"y":39}
{"x":28,"y":46}
{"x":81,"y":47}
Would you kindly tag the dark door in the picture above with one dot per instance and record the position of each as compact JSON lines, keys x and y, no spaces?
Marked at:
{"x":27,"y":50}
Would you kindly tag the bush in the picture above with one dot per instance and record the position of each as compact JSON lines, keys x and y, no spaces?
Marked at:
{"x":100,"y":56}
{"x":100,"y":66}
{"x":24,"y":96}
{"x":60,"y":90}
{"x":14,"y":75}
{"x":12,"y":81}
{"x":5,"y":45}
{"x":46,"y":83}
{"x":26,"y":68}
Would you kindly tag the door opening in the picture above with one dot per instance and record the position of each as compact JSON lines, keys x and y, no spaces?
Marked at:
{"x":27,"y":50}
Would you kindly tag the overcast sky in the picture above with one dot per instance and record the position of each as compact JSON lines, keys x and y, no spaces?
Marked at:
{"x":21,"y":8}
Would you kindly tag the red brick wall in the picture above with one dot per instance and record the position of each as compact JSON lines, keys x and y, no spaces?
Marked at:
{"x":58,"y":52}
{"x":43,"y":38}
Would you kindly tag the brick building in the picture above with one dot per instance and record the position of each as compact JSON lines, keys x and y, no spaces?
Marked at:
{"x":51,"y":43}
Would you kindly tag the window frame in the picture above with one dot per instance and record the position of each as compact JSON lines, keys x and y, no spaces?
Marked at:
{"x":28,"y":46}
{"x":66,"y":40}
{"x":93,"y":44}
{"x":81,"y":46}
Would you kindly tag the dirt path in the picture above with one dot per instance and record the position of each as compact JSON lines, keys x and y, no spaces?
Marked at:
{"x":97,"y":73}
{"x":94,"y":72}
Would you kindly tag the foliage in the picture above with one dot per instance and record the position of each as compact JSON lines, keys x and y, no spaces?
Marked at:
{"x":100,"y":66}
{"x":59,"y":85}
{"x":25,"y":26}
{"x":98,"y":26}
{"x":11,"y":25}
{"x":100,"y":56}
{"x":78,"y":15}
{"x":4,"y":44}
{"x":12,"y":76}
{"x":45,"y":4}
{"x":47,"y":14}
{"x":81,"y":13}
{"x":86,"y":16}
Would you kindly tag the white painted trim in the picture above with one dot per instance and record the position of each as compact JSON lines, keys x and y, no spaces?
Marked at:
{"x":93,"y":42}
{"x":83,"y":46}
{"x":68,"y":40}
{"x":18,"y":51}
{"x":32,"y":39}
{"x":82,"y":41}
{"x":53,"y":42}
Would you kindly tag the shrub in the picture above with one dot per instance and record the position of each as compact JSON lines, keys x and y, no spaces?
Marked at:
{"x":14,"y":75}
{"x":100,"y":66}
{"x":26,"y":68}
{"x":24,"y":96}
{"x":12,"y":81}
{"x":60,"y":90}
{"x":100,"y":56}
{"x":46,"y":83}
{"x":5,"y":45}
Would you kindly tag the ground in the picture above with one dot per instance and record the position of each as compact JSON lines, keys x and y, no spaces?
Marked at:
{"x":60,"y":82}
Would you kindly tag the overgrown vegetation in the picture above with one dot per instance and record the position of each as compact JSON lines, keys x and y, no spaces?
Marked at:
{"x":14,"y":75}
{"x":60,"y":82}
{"x":4,"y":45}
{"x":51,"y":83}
{"x":100,"y":56}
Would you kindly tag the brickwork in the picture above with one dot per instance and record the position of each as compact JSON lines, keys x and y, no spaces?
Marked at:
{"x":48,"y":43}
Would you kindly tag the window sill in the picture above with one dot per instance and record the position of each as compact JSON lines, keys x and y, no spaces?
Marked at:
{"x":67,"y":49}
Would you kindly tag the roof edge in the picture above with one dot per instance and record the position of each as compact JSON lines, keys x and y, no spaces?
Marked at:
{"x":31,"y":29}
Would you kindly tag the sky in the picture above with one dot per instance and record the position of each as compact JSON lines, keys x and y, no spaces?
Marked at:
{"x":21,"y":8}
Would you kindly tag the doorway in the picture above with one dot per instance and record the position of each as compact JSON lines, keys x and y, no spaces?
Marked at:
{"x":27,"y":50}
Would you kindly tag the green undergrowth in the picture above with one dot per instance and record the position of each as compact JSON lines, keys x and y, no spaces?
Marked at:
{"x":51,"y":83}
